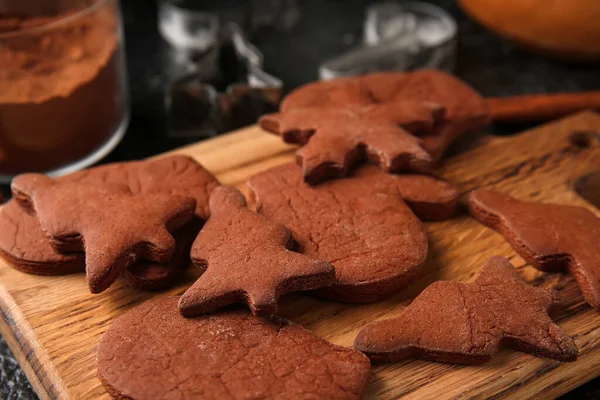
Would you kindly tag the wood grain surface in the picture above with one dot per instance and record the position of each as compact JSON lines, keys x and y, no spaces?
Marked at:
{"x":53,"y":324}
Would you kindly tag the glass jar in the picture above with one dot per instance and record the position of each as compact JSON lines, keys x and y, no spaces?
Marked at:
{"x":63,"y":98}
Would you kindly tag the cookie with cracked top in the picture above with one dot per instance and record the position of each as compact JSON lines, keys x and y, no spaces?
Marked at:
{"x":152,"y":352}
{"x":76,"y":216}
{"x":26,"y":248}
{"x":551,"y":237}
{"x":246,"y":259}
{"x":362,"y":224}
{"x":465,"y":110}
{"x":467,"y":323}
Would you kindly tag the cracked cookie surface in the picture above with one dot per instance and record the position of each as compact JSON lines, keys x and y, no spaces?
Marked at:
{"x":245,"y":258}
{"x":361,"y":224}
{"x":152,"y":352}
{"x":551,"y":237}
{"x":468,"y":322}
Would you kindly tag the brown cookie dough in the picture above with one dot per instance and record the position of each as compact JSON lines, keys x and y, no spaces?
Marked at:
{"x":465,"y":109}
{"x":154,"y":353}
{"x":77,"y":216}
{"x":468,"y":323}
{"x":26,"y":247}
{"x":335,"y":139}
{"x":246,"y":259}
{"x":551,"y":237}
{"x":360,"y":224}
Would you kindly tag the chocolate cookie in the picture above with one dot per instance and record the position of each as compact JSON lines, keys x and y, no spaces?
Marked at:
{"x":177,"y":174}
{"x":246,"y":259}
{"x":360,"y":224}
{"x":148,"y":275}
{"x":25,"y":246}
{"x":465,"y":109}
{"x":551,"y":237}
{"x":467,"y":323}
{"x":76,"y":216}
{"x":335,"y":139}
{"x":152,"y":352}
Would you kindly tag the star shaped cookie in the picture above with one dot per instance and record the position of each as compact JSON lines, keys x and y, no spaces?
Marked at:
{"x":246,"y":259}
{"x":467,"y":323}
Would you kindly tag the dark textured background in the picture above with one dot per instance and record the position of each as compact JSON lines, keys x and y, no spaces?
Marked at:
{"x":493,"y":66}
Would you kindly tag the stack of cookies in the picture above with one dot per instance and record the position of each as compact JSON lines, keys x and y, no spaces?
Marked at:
{"x":332,"y":224}
{"x":135,"y":219}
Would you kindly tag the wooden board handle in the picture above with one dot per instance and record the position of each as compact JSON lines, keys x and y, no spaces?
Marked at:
{"x":541,"y":107}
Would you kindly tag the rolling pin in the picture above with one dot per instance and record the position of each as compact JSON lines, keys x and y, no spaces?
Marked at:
{"x":541,"y":107}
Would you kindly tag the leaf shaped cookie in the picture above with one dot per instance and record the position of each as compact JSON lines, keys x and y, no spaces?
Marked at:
{"x":153,"y":353}
{"x":550,"y":237}
{"x":246,"y":259}
{"x":335,"y":139}
{"x":467,"y":323}
{"x":113,"y":226}
{"x":361,"y":224}
{"x":465,"y":110}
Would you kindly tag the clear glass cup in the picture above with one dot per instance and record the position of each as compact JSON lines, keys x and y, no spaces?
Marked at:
{"x":63,"y":97}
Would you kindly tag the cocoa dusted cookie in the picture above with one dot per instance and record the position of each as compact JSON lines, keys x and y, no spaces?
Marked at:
{"x":467,"y":323}
{"x":246,"y":259}
{"x":154,"y":353}
{"x":551,"y":237}
{"x":465,"y":110}
{"x":77,"y":216}
{"x":335,"y":139}
{"x":361,"y":224}
{"x":26,"y":247}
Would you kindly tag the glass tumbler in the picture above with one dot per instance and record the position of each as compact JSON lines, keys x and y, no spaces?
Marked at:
{"x":63,"y":98}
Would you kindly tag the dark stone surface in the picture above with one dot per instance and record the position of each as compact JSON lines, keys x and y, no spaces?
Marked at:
{"x":13,"y":382}
{"x":492,"y":65}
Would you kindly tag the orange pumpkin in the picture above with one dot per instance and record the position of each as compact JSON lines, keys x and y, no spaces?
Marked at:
{"x":567,"y":29}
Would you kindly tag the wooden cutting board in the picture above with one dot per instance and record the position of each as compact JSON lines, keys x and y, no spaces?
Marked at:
{"x":53,"y":324}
